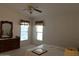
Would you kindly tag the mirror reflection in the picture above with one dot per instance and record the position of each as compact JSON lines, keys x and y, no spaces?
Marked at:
{"x":6,"y":28}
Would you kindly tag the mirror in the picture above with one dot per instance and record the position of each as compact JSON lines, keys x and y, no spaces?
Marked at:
{"x":6,"y":29}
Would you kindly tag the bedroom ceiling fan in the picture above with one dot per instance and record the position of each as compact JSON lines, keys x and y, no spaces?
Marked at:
{"x":31,"y":8}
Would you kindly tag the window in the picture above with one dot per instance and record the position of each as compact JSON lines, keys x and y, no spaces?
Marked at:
{"x":39,"y":31}
{"x":24,"y":31}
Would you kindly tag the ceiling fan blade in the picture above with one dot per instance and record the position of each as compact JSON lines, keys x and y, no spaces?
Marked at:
{"x":37,"y":10}
{"x":30,"y":8}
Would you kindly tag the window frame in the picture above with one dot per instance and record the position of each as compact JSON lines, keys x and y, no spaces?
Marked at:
{"x":25,"y":23}
{"x":38,"y":23}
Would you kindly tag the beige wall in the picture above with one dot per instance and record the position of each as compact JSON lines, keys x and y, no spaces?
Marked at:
{"x":61,"y":24}
{"x":8,"y":14}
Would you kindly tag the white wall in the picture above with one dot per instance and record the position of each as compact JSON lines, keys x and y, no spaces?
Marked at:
{"x":61,"y":24}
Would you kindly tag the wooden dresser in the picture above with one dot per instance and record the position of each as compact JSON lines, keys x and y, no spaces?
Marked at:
{"x":9,"y":44}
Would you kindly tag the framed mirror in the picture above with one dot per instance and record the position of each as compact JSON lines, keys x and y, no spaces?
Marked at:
{"x":6,"y":29}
